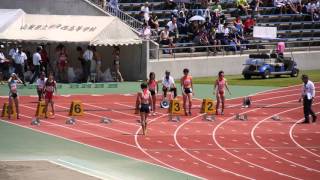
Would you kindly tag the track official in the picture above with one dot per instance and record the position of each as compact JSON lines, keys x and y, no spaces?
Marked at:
{"x":308,"y":95}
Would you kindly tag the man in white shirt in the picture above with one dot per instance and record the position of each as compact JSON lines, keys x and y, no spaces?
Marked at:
{"x":145,"y":10}
{"x":168,"y":85}
{"x":87,"y":56}
{"x":308,"y":95}
{"x":36,"y":58}
{"x":173,"y":27}
{"x":3,"y":65}
{"x":19,"y":59}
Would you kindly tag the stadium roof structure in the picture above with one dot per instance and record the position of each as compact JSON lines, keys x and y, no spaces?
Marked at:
{"x":39,"y":28}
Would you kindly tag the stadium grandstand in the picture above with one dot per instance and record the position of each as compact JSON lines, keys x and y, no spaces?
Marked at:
{"x":295,"y":22}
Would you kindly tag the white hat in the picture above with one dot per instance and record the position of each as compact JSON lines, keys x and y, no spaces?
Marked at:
{"x":2,"y":46}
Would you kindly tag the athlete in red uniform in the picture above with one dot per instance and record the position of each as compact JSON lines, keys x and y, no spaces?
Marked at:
{"x":219,"y":90}
{"x":153,"y":88}
{"x":49,"y":89}
{"x":187,"y":91}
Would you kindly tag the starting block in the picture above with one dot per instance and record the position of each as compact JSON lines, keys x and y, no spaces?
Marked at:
{"x":105,"y":120}
{"x":35,"y":121}
{"x":208,"y":117}
{"x":175,"y":110}
{"x":276,"y":118}
{"x":246,"y":102}
{"x":174,"y":118}
{"x":71,"y":121}
{"x":243,"y":117}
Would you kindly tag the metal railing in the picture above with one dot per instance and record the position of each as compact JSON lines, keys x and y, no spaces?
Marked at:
{"x":124,"y":17}
{"x":156,"y":54}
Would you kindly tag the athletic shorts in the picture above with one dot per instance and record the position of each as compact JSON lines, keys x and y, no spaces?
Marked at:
{"x":221,"y":93}
{"x":187,"y":90}
{"x":13,"y":95}
{"x":145,"y":108}
{"x":153,"y":92}
{"x":48,"y":96}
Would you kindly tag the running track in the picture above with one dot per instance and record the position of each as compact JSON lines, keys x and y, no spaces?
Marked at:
{"x":259,"y":148}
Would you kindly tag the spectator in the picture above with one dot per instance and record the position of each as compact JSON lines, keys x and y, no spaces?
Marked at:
{"x":87,"y":56}
{"x":55,"y":62}
{"x":169,"y":4}
{"x":242,"y":5}
{"x":280,"y":48}
{"x":208,"y":25}
{"x":97,"y":57}
{"x":238,"y":25}
{"x":312,"y":9}
{"x":116,"y":63}
{"x":4,"y":67}
{"x":280,"y":4}
{"x":36,"y":58}
{"x":216,"y":7}
{"x":182,"y":23}
{"x":165,"y":39}
{"x":114,"y":4}
{"x":173,"y":28}
{"x":44,"y":59}
{"x":297,"y":4}
{"x":63,"y":65}
{"x":141,"y":17}
{"x":20,"y":59}
{"x":202,"y":37}
{"x":82,"y":62}
{"x":223,"y":32}
{"x":248,"y":25}
{"x":207,"y":13}
{"x":153,"y":21}
{"x":213,"y":40}
{"x":254,"y":5}
{"x":145,"y":32}
{"x":145,"y":10}
{"x":292,"y":7}
{"x":13,"y":51}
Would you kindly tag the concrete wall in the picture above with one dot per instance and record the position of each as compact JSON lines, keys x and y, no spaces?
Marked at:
{"x":210,"y":66}
{"x":60,"y":7}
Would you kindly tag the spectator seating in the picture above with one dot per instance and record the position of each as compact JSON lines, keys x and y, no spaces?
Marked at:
{"x":293,"y":27}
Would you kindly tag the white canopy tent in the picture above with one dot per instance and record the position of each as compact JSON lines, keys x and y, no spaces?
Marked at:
{"x":38,"y":28}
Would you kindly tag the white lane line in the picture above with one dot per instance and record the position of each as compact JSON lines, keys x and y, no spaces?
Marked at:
{"x":209,"y":164}
{"x":105,"y":150}
{"x":273,"y":154}
{"x":251,"y":163}
{"x":156,"y":159}
{"x":120,"y":104}
{"x":84,"y":132}
{"x":222,"y":128}
{"x":77,"y":167}
{"x":295,"y":142}
{"x":128,"y":114}
{"x":88,"y":123}
{"x":117,"y":120}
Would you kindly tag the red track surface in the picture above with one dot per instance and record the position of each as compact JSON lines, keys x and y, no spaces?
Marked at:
{"x":223,"y":149}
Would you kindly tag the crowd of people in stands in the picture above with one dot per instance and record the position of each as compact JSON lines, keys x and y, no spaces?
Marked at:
{"x":25,"y":62}
{"x":208,"y":25}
